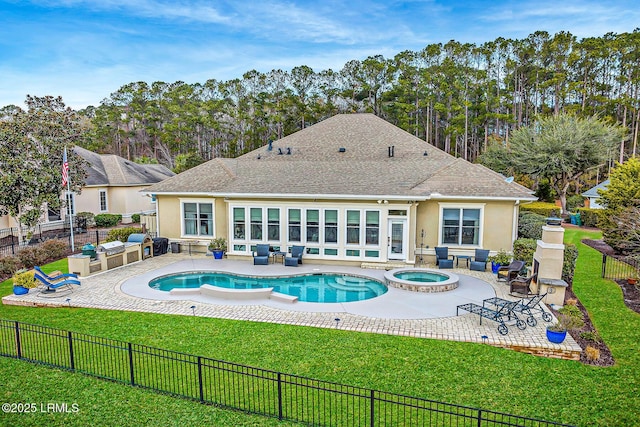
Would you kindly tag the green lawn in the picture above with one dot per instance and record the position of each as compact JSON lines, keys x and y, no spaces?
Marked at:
{"x":460,"y":373}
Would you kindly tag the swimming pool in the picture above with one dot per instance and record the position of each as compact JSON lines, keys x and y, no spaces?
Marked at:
{"x":324,"y":288}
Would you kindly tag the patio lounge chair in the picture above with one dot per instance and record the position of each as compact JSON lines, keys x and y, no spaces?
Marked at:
{"x":443,"y":259}
{"x":479,"y":261}
{"x":58,"y":285}
{"x":55,"y":276}
{"x":261,"y":255}
{"x":295,"y":258}
{"x":502,"y":313}
{"x":507,"y":273}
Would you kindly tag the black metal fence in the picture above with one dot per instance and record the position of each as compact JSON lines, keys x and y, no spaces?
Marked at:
{"x":620,"y":267}
{"x":10,"y":245}
{"x":245,"y":388}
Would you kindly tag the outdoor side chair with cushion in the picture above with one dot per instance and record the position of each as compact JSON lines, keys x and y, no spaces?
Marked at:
{"x":443,"y":259}
{"x":521,"y":285}
{"x":295,"y":258}
{"x":479,"y":261}
{"x":261,"y":255}
{"x":507,"y":273}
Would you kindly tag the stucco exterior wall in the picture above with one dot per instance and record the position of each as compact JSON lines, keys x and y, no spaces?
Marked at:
{"x":120,"y":200}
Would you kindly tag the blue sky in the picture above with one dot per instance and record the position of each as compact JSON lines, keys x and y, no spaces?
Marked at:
{"x":84,"y":50}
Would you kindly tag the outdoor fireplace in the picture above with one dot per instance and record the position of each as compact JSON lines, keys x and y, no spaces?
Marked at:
{"x":548,"y":260}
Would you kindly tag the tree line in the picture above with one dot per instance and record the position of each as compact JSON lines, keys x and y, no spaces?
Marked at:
{"x":460,"y":97}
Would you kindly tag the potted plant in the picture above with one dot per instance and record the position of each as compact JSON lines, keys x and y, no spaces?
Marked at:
{"x":499,"y":259}
{"x":218,"y":246}
{"x":557,"y":332}
{"x":632,"y":280}
{"x":23,"y":280}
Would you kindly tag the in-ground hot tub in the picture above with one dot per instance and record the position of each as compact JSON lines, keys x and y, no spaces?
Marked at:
{"x":421,"y":279}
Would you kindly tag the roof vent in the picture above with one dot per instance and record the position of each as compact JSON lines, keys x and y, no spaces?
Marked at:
{"x":288,"y":150}
{"x":391,"y":149}
{"x":341,"y":150}
{"x":270,"y":147}
{"x":280,"y":151}
{"x":425,"y":154}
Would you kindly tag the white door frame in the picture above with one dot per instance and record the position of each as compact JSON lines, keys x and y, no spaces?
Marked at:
{"x":394,"y":251}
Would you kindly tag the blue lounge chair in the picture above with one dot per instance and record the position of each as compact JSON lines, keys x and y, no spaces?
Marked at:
{"x":261,"y":255}
{"x":55,"y":277}
{"x":479,"y":261}
{"x":54,"y":286}
{"x":443,"y":259}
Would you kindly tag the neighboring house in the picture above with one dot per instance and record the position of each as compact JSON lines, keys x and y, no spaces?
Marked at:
{"x":350,"y":188}
{"x":593,"y":197}
{"x":114,"y":185}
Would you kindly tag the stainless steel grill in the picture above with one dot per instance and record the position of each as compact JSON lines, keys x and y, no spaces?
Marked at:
{"x":112,"y":248}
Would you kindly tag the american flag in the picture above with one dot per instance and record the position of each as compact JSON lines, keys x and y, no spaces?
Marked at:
{"x":65,"y":168}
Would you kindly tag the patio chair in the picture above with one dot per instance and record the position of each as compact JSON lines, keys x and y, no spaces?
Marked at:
{"x":479,"y":261}
{"x":507,"y":273}
{"x":55,"y":276}
{"x":522,"y":285}
{"x":295,"y":258}
{"x":530,"y":306}
{"x":443,"y":259}
{"x":54,"y":286}
{"x":261,"y":255}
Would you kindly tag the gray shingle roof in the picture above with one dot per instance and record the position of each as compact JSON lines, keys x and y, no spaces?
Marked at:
{"x":593,"y":191}
{"x":112,"y":170}
{"x":317,"y":167}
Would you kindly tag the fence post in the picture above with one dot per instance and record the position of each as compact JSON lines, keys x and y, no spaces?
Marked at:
{"x":479,"y":417}
{"x":133,"y":381}
{"x":604,"y":265}
{"x":372,"y":409}
{"x":279,"y":396}
{"x":18,"y":343}
{"x":200,"y":379}
{"x":97,"y":238}
{"x":71,"y":358}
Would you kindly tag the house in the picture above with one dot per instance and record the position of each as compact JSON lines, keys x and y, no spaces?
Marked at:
{"x":114,"y":185}
{"x":593,"y":196}
{"x":351,"y":189}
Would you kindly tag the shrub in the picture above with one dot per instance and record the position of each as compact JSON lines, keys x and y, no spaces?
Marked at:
{"x":592,"y":353}
{"x":55,"y":249}
{"x":569,"y":264}
{"x":590,"y":336}
{"x":574,"y":202}
{"x":523,"y":250}
{"x":25,"y":279}
{"x":542,"y":208}
{"x":135,"y":218}
{"x":591,"y":217}
{"x":121,"y":234}
{"x":9,"y":265}
{"x":107,"y":220}
{"x":32,"y":255}
{"x":530,"y":225}
{"x":89,"y":217}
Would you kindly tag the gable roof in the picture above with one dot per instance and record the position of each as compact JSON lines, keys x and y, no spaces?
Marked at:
{"x":593,"y":192}
{"x":112,"y":170}
{"x":316,"y":166}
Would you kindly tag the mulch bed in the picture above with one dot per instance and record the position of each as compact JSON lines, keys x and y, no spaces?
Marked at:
{"x":631,"y":295}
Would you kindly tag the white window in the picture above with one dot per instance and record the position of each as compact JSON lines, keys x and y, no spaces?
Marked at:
{"x":273,"y":224}
{"x":239,"y":224}
{"x":256,"y":223}
{"x":331,"y":226}
{"x":353,"y":227}
{"x":295,"y":225}
{"x":198,"y":219}
{"x":71,"y":203}
{"x":461,"y":226}
{"x":372,"y":227}
{"x":103,"y":201}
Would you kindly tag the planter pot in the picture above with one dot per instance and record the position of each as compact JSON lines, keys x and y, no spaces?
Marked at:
{"x":20,"y":290}
{"x":556,"y":337}
{"x":217,"y":254}
{"x":632,"y":280}
{"x":494,"y":267}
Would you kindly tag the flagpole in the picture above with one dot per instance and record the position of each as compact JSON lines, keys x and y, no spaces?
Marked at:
{"x":68,"y":200}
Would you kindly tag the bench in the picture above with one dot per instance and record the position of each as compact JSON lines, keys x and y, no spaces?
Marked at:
{"x":505,"y":311}
{"x":227,"y":293}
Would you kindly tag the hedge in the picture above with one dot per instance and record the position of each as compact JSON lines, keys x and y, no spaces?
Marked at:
{"x":122,"y":234}
{"x":523,"y":250}
{"x":530,"y":225}
{"x":591,"y":217}
{"x":107,"y":220}
{"x":541,"y":208}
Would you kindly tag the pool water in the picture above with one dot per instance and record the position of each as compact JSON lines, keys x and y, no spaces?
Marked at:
{"x":421,"y":276}
{"x":324,"y":288}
